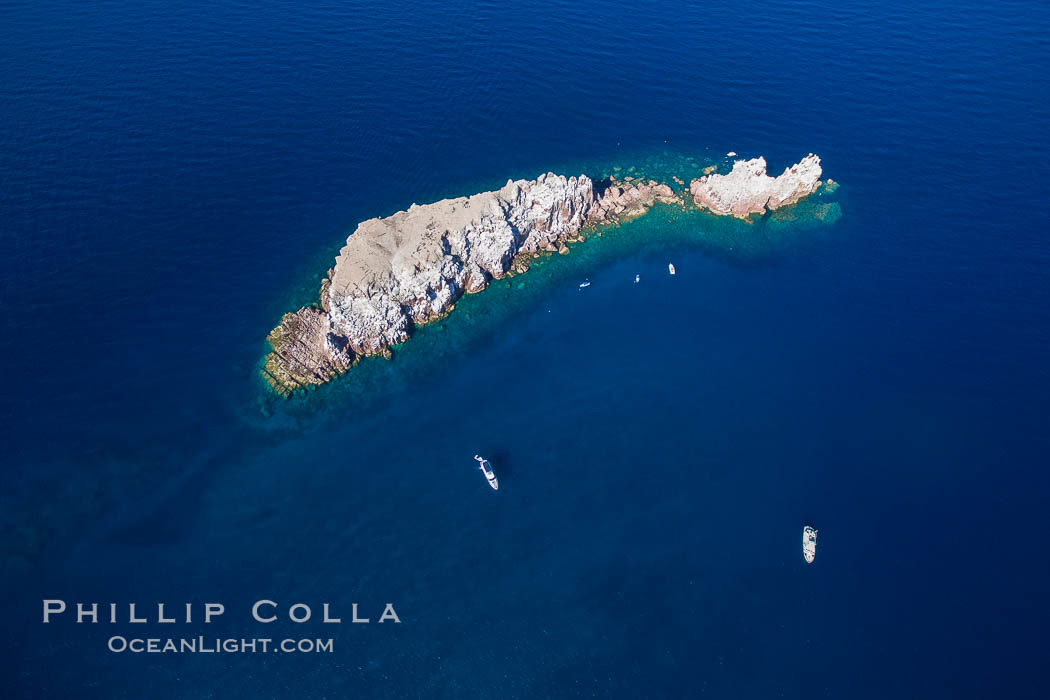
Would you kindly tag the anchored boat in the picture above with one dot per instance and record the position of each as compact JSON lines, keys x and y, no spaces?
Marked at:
{"x":670,"y":268}
{"x":809,"y":544}
{"x":486,"y":469}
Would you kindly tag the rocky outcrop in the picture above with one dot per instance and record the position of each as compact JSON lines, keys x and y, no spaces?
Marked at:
{"x":305,"y":351}
{"x":620,"y":201}
{"x":747,"y":189}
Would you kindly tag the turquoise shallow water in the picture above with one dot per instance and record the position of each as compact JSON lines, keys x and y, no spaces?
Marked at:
{"x":176,"y":178}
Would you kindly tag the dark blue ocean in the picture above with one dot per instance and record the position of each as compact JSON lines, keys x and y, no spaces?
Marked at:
{"x":176,"y":176}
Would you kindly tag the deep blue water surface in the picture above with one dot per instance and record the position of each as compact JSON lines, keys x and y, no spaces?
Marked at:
{"x":174,"y":177}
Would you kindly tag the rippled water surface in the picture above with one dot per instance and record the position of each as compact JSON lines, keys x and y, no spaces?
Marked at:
{"x":174,"y":177}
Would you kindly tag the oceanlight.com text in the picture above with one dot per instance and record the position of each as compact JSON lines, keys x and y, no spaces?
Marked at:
{"x":216,"y":645}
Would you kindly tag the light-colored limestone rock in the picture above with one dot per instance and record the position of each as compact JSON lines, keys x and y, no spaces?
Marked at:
{"x":408,"y":268}
{"x":748,"y":189}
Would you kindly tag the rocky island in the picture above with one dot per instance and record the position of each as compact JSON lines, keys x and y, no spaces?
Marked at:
{"x":410,"y":268}
{"x":747,"y":189}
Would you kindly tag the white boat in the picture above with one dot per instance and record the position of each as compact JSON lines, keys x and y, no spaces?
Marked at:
{"x":809,"y":544}
{"x":637,"y":279}
{"x":670,"y":268}
{"x":486,"y":469}
{"x":585,"y":284}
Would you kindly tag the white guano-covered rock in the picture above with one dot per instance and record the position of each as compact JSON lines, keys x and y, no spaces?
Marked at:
{"x":412,"y":266}
{"x":748,"y":189}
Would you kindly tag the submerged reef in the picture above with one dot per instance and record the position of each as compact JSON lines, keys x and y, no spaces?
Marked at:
{"x":410,"y":268}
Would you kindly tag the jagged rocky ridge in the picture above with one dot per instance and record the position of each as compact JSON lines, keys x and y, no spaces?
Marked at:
{"x":747,"y":189}
{"x":410,"y":268}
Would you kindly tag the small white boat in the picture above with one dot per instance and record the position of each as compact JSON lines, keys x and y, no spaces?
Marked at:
{"x":486,"y":469}
{"x":637,"y":279}
{"x":809,"y":544}
{"x":670,"y":268}
{"x":730,"y":154}
{"x":585,"y":284}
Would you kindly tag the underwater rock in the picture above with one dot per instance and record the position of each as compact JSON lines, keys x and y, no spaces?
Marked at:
{"x":747,"y":189}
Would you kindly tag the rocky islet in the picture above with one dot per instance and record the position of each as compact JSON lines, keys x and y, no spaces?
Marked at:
{"x":409,"y":268}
